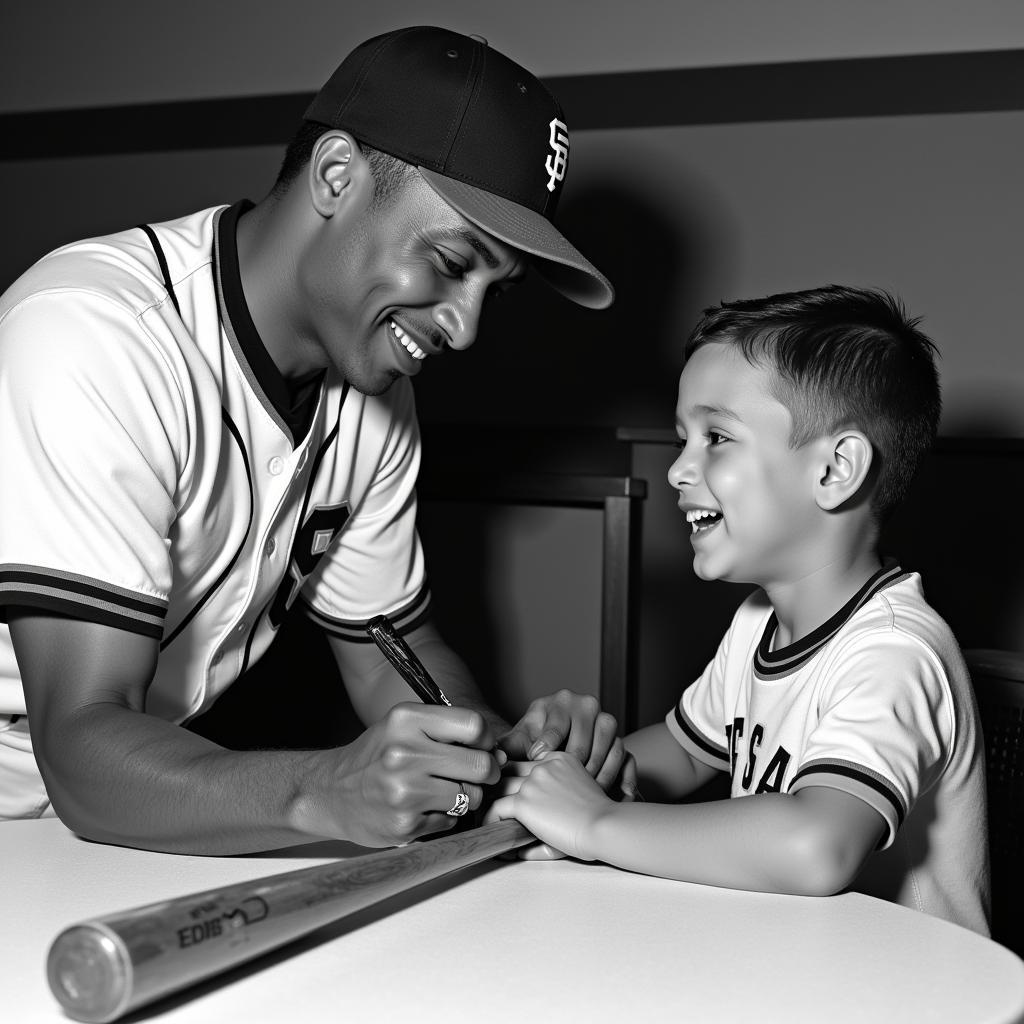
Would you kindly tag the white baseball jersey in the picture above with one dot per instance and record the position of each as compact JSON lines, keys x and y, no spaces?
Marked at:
{"x":877,"y":702}
{"x":151,"y":481}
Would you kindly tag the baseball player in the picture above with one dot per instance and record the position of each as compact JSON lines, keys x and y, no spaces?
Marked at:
{"x":209,"y":424}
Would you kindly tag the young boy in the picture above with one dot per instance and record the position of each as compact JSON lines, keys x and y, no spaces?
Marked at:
{"x":838,"y":697}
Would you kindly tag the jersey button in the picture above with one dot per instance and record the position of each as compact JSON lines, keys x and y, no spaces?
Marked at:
{"x":271,"y":547}
{"x":242,"y":627}
{"x":275,"y":465}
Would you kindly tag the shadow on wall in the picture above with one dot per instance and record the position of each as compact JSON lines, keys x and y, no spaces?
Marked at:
{"x":984,"y":409}
{"x":542,"y":359}
{"x":960,"y":529}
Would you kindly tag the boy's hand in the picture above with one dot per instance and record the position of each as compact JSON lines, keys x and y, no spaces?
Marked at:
{"x":572,"y":722}
{"x":559,"y":803}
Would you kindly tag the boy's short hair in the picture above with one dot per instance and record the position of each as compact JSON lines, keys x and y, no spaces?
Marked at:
{"x":842,"y":357}
{"x":389,"y":173}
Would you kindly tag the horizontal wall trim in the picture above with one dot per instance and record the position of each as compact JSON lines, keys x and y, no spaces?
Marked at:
{"x":947,"y":83}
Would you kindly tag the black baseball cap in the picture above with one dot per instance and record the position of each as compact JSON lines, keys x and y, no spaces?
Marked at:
{"x":484,"y":133}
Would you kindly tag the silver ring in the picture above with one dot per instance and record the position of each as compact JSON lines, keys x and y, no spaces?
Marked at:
{"x":461,"y":805}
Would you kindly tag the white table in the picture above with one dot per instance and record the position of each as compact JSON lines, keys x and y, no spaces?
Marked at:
{"x":523,"y":942}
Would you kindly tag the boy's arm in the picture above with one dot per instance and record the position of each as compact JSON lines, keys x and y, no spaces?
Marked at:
{"x":665,"y":770}
{"x":811,"y":843}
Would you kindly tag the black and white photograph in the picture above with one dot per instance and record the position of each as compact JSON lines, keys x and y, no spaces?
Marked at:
{"x":510,"y":512}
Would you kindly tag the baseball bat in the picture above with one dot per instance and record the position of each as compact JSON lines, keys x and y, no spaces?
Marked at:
{"x":103,"y":968}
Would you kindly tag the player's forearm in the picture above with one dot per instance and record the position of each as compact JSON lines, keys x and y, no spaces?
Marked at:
{"x":767,"y":843}
{"x":122,"y":777}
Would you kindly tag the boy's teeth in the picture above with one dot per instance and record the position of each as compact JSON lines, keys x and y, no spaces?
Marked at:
{"x":410,"y":346}
{"x":694,"y":517}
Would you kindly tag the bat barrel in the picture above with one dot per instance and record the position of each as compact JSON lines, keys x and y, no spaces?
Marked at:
{"x":101,"y":969}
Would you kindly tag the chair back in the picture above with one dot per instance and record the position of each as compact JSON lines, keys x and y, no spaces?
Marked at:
{"x":998,"y":678}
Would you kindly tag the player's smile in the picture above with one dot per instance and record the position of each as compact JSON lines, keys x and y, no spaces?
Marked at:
{"x":412,"y":344}
{"x":406,"y":281}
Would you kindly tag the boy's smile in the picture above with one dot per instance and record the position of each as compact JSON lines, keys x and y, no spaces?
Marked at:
{"x":702,"y":519}
{"x":747,"y":495}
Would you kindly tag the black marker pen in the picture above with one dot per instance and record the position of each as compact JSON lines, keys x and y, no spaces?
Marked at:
{"x":402,"y":656}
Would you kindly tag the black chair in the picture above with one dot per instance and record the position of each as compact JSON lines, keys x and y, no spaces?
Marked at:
{"x":998,"y":678}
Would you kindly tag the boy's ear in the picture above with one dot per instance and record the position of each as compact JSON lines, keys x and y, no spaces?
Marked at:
{"x":847,"y":465}
{"x":337,"y":172}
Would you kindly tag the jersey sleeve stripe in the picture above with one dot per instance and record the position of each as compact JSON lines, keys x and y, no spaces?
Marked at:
{"x":12,"y":576}
{"x":858,"y":781}
{"x":405,"y":619}
{"x":81,"y":598}
{"x":716,"y":755}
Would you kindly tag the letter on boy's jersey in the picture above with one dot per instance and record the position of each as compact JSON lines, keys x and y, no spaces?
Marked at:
{"x":756,"y":735}
{"x":775,"y":773}
{"x":732,"y":734}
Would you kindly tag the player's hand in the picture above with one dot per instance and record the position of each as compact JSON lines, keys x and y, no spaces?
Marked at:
{"x":559,"y":802}
{"x":572,"y":722}
{"x":396,"y":781}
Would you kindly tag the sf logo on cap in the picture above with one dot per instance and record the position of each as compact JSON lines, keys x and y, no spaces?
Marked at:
{"x":558,"y":160}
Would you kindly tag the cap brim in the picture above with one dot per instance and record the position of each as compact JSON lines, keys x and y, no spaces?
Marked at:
{"x":564,"y":267}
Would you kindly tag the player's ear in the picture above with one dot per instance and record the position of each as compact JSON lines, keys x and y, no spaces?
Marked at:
{"x":338,"y":173}
{"x":848,"y":456}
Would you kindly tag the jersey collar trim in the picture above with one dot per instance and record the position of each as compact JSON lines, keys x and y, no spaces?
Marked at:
{"x":291,"y":415}
{"x":769,"y":664}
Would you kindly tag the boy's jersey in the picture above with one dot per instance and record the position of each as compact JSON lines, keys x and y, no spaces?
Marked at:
{"x":150,"y":479}
{"x":876,"y":702}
